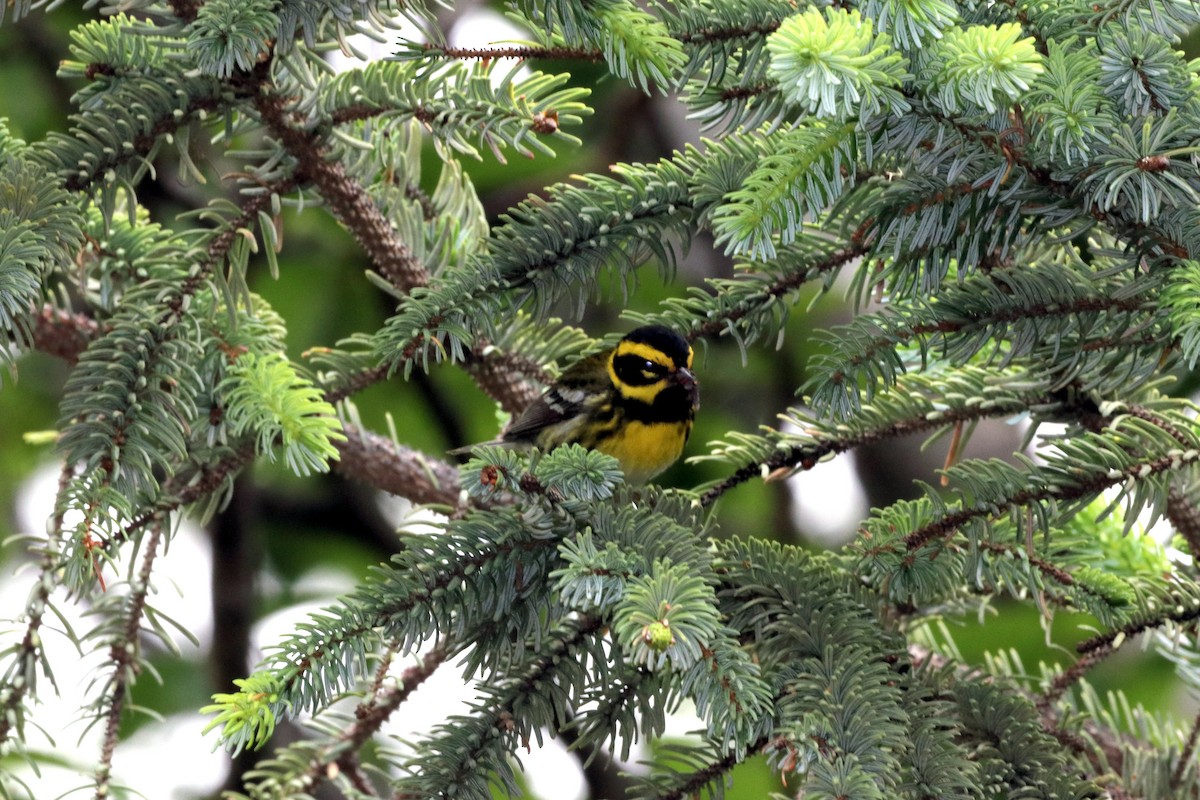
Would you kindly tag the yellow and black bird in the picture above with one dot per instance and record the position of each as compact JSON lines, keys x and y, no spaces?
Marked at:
{"x":635,"y":402}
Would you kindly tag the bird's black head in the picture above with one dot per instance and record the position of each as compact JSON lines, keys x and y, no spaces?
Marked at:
{"x":665,"y":341}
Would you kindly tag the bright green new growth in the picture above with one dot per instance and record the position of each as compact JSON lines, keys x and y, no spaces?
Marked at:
{"x":832,"y":65}
{"x":985,"y":67}
{"x":283,"y":409}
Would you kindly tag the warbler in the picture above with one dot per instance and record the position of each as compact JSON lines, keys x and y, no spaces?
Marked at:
{"x":635,"y":402}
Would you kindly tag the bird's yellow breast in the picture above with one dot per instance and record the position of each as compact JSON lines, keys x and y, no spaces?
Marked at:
{"x":645,"y":449}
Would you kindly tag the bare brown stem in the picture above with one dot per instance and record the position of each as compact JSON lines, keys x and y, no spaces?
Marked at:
{"x":347,"y":199}
{"x":124,"y":661}
{"x":380,"y":462}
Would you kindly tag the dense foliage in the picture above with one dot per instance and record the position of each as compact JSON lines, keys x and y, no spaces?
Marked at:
{"x":1008,"y":189}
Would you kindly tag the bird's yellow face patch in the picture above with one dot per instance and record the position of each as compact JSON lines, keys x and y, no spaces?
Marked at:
{"x":640,"y":371}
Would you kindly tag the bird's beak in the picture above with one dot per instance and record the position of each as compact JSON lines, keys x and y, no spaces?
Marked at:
{"x":685,"y":378}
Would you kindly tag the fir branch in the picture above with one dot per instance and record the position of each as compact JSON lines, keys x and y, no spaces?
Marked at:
{"x":136,"y":98}
{"x":513,"y":706}
{"x":125,"y":661}
{"x":144,"y":369}
{"x":354,"y":383}
{"x":142,"y":144}
{"x":1131,"y":451}
{"x":1068,"y":678}
{"x":126,"y":405}
{"x":748,"y":92}
{"x":1138,"y":234}
{"x":1109,"y":337}
{"x":522,"y":53}
{"x":369,"y":716}
{"x":347,"y":199}
{"x":1181,"y":512}
{"x":356,"y":112}
{"x":1051,"y":718}
{"x":40,"y":229}
{"x":460,"y":104}
{"x":404,"y":602}
{"x":725,"y":34}
{"x":897,"y":330}
{"x":505,"y":376}
{"x":754,"y":305}
{"x":1185,"y":611}
{"x":615,"y":712}
{"x":364,"y":456}
{"x":1087,"y":485}
{"x":219,"y":246}
{"x":1049,"y":570}
{"x":1158,"y":420}
{"x":690,"y":784}
{"x":807,"y":456}
{"x":379,"y":462}
{"x":189,"y":484}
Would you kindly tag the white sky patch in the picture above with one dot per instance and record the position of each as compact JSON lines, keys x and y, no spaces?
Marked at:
{"x":828,"y":501}
{"x":479,"y":27}
{"x":369,"y":48}
{"x":554,"y":772}
{"x":192,"y":768}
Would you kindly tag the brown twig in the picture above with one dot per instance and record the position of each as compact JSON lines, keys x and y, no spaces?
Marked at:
{"x":508,"y":378}
{"x":346,"y":198}
{"x":709,"y":35}
{"x":355,"y":383}
{"x":1185,"y":518}
{"x":218,"y":247}
{"x":380,"y":462}
{"x":715,"y":326}
{"x":806,"y":457}
{"x":1068,"y":678}
{"x":693,"y":783}
{"x":1111,"y":640}
{"x":1187,"y":755}
{"x":523,"y":53}
{"x":124,"y":660}
{"x":384,"y":700}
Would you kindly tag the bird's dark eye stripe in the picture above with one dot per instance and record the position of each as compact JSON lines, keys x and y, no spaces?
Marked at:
{"x":637,"y":371}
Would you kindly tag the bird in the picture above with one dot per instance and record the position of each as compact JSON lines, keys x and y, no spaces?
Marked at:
{"x":635,"y":402}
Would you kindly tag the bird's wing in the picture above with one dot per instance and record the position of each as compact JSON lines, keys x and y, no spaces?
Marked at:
{"x":569,"y":398}
{"x":555,"y":406}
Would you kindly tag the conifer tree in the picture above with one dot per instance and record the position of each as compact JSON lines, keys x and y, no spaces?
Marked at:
{"x":1008,"y":189}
